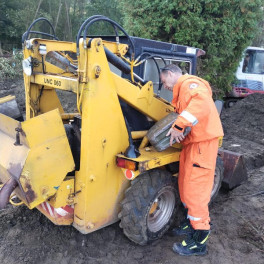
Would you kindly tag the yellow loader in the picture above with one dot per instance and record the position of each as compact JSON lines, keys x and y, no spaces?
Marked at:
{"x":94,"y":166}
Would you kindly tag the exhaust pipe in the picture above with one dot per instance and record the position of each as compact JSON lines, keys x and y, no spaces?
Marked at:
{"x":6,"y":191}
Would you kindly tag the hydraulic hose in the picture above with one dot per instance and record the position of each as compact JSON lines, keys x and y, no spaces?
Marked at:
{"x":113,"y":24}
{"x":28,"y":32}
{"x":82,"y":27}
{"x":153,"y":58}
{"x":91,"y":20}
{"x":6,"y":191}
{"x":120,"y":64}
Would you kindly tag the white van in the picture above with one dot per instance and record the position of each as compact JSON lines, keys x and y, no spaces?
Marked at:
{"x":249,"y":74}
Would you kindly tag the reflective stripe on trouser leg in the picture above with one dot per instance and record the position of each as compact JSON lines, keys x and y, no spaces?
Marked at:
{"x":192,"y":218}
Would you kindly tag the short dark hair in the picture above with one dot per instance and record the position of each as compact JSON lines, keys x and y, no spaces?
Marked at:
{"x":172,"y":68}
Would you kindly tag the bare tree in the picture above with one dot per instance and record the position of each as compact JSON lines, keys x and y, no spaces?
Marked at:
{"x":69,"y":27}
{"x":36,"y":13}
{"x":58,"y":15}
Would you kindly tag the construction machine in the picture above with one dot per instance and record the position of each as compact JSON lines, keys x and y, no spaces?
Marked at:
{"x":94,"y":166}
{"x":249,"y":76}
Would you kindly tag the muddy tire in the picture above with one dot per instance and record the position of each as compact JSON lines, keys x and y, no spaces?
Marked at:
{"x":149,"y":206}
{"x":218,"y":178}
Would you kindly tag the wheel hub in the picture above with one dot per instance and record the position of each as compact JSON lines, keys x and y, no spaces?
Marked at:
{"x":161,"y":210}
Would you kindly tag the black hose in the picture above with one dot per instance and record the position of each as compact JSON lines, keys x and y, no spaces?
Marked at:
{"x":120,"y":64}
{"x":131,"y":151}
{"x":81,"y":29}
{"x":6,"y":191}
{"x":153,"y":58}
{"x":152,"y":55}
{"x":113,"y":24}
{"x":117,"y":62}
{"x":28,"y":32}
{"x":91,"y":20}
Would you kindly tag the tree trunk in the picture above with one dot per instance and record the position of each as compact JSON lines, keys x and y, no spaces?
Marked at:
{"x":1,"y":52}
{"x":68,"y":22}
{"x":58,"y":15}
{"x":40,"y":1}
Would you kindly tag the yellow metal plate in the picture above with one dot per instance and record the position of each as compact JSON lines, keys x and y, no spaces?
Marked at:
{"x":42,"y":160}
{"x":150,"y":158}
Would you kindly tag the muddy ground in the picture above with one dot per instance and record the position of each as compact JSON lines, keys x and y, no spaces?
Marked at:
{"x":237,"y":216}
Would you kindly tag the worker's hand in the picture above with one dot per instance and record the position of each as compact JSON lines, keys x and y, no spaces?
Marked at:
{"x":178,"y":136}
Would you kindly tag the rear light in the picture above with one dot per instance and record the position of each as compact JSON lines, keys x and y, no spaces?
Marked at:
{"x":126,"y":164}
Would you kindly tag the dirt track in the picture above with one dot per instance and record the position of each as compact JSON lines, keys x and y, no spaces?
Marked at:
{"x":237,"y":233}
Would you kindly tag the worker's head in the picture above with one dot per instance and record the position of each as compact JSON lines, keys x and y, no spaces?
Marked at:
{"x":169,"y":76}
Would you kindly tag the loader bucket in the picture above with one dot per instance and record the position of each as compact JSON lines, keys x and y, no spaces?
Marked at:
{"x":36,"y":155}
{"x":235,"y":171}
{"x":9,"y":107}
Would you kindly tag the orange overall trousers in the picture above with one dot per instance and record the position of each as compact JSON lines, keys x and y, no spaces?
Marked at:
{"x":192,"y":98}
{"x":196,"y":180}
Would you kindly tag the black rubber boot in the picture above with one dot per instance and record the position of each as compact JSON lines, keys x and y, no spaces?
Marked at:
{"x":194,"y":245}
{"x":185,"y":228}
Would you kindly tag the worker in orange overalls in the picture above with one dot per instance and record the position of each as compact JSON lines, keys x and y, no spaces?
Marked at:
{"x":192,"y":99}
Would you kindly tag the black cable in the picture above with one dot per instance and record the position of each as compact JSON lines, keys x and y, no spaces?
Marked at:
{"x":43,"y":65}
{"x":114,"y":24}
{"x":81,"y":29}
{"x":151,"y":56}
{"x":28,"y":32}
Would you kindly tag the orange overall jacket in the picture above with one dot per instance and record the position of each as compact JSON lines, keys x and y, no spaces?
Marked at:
{"x":192,"y":99}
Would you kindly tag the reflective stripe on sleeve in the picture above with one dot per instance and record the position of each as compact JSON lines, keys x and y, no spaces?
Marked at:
{"x":189,"y":117}
{"x":193,"y":218}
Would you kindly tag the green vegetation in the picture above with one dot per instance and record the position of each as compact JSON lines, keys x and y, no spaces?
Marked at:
{"x":11,"y":67}
{"x":65,"y":15}
{"x":222,"y":28}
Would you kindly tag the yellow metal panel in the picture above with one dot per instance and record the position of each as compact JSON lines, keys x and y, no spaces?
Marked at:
{"x":8,"y":126}
{"x":49,"y":158}
{"x":42,"y":160}
{"x":100,"y":182}
{"x":7,"y":99}
{"x":49,"y":101}
{"x":115,"y":48}
{"x":58,"y":82}
{"x":157,"y":159}
{"x":64,"y":193}
{"x":44,"y":128}
{"x":139,"y":134}
{"x":12,"y":158}
{"x":142,"y":98}
{"x":52,"y":68}
{"x":54,"y":45}
{"x":150,"y":158}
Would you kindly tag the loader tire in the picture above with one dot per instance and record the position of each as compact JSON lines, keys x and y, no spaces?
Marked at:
{"x":218,"y":178}
{"x":149,"y":207}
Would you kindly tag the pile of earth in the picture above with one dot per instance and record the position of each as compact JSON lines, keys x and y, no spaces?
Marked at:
{"x":14,"y":87}
{"x":243,"y":126}
{"x":27,"y":236}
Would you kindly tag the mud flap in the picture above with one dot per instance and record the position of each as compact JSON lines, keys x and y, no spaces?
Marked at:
{"x":235,"y":171}
{"x":35,"y":153}
{"x":9,"y":107}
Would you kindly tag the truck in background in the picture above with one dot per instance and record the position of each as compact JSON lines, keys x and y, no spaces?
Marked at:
{"x":249,"y":75}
